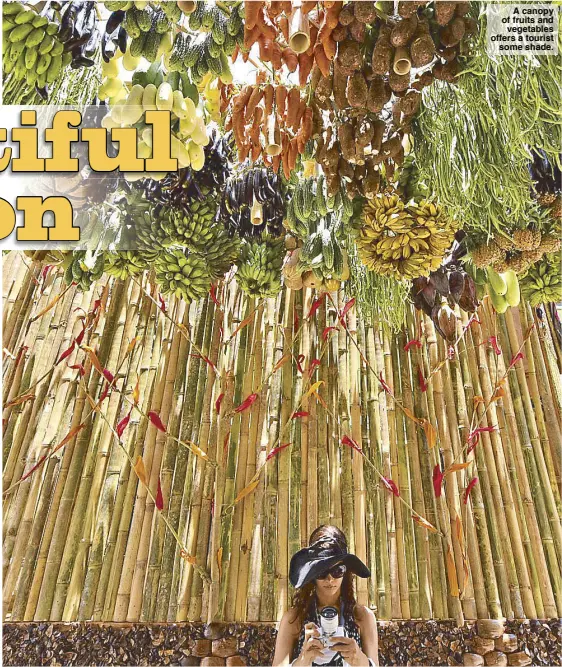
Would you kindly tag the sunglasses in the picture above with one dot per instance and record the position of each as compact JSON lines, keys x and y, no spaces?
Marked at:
{"x":337,"y":572}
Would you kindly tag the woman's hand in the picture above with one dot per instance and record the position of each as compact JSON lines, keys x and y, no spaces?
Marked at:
{"x":312,"y":647}
{"x":349,"y":650}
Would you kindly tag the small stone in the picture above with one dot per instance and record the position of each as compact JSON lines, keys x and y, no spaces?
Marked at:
{"x":472,"y":660}
{"x":506,"y":643}
{"x":213,"y":661}
{"x":495,"y":658}
{"x":188,"y":661}
{"x":482,"y":646}
{"x":490,"y":628}
{"x":215,"y":630}
{"x":235,"y":661}
{"x":201,"y":648}
{"x":225,"y":647}
{"x":519,"y":659}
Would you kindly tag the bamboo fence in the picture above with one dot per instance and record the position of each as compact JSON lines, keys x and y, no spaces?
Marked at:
{"x":256,"y":421}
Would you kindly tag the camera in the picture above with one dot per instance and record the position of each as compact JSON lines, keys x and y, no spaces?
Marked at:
{"x":329,"y":622}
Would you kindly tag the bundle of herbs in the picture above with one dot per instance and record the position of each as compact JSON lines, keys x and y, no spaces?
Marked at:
{"x":500,"y":109}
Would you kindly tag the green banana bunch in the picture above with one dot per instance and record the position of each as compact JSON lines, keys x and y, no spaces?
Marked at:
{"x":259,"y":266}
{"x":83,"y":268}
{"x":542,"y":282}
{"x":31,"y":48}
{"x":123,"y":265}
{"x":183,"y":274}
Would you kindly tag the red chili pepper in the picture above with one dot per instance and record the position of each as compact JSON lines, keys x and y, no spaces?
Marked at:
{"x":246,"y":403}
{"x":313,"y":364}
{"x":159,"y":497}
{"x":346,"y":309}
{"x":122,"y":425}
{"x":349,"y":442}
{"x":156,"y":421}
{"x":316,"y":304}
{"x":213,"y":293}
{"x":66,"y":353}
{"x":218,"y":404}
{"x":276,"y":451}
{"x":493,"y":340}
{"x":469,"y":488}
{"x":515,"y":359}
{"x":80,"y":336}
{"x":105,"y":392}
{"x":437,"y":481}
{"x":384,"y":385}
{"x":421,"y":380}
{"x":97,"y":305}
{"x":327,"y":331}
{"x":390,"y":484}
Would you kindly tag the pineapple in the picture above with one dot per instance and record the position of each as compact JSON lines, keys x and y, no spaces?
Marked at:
{"x":486,"y":255}
{"x":527,"y":239}
{"x":504,"y":242}
{"x":549,"y":244}
{"x":518,"y":263}
{"x":532,"y":256}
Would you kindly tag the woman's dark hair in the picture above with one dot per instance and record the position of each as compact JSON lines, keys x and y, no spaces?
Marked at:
{"x":303,"y":597}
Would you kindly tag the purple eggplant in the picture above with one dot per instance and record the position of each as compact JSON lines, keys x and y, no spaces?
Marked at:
{"x":456,"y":284}
{"x":468,"y":300}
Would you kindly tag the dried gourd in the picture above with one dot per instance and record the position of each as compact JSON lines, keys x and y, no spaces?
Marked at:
{"x":444,"y":11}
{"x":453,"y":32}
{"x":365,"y":11}
{"x":349,"y":56}
{"x":379,"y":94}
{"x":357,"y":31}
{"x":403,"y":31}
{"x":398,"y":82}
{"x":347,"y":141}
{"x":356,"y":91}
{"x":422,"y":50}
{"x":339,"y":88}
{"x":382,"y":56}
{"x":324,"y":88}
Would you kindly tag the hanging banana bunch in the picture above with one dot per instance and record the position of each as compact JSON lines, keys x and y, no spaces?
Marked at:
{"x":404,"y":241}
{"x":259,"y":266}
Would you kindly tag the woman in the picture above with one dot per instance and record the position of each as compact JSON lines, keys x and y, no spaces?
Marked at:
{"x":323,"y":575}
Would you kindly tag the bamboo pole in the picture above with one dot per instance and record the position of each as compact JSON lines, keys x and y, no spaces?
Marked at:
{"x":376,"y":444}
{"x":420,"y":535}
{"x":61,"y":513}
{"x":132,"y":537}
{"x":407,"y":566}
{"x":118,"y":473}
{"x":236,"y":467}
{"x":110,"y":578}
{"x":272,"y":426}
{"x":359,"y":492}
{"x":253,"y":504}
{"x":320,"y":422}
{"x":190,"y":507}
{"x":283,"y":463}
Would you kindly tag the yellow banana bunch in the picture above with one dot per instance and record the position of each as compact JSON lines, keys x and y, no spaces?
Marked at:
{"x":403,"y":241}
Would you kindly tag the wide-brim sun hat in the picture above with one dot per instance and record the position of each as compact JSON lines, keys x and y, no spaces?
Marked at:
{"x":309,"y":563}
